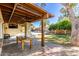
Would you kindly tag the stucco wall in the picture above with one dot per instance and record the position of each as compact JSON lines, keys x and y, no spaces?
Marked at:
{"x":1,"y":34}
{"x":1,"y":22}
{"x":12,"y":31}
{"x":16,"y":31}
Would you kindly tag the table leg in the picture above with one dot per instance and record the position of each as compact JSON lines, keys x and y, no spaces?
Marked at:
{"x":17,"y":40}
{"x":30,"y":44}
{"x":22,"y":44}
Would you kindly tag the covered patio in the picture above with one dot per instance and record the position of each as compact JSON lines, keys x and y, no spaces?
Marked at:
{"x":22,"y":15}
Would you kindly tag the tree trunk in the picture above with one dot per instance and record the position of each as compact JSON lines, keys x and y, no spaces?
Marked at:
{"x":75,"y":26}
{"x":75,"y":33}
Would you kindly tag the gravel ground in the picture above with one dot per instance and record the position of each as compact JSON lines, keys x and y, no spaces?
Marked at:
{"x":50,"y":49}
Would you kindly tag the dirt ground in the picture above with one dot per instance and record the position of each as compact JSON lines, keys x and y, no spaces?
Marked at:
{"x":50,"y":49}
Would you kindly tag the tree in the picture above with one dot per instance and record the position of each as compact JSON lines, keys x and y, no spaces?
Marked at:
{"x":64,"y":12}
{"x":65,"y":25}
{"x":42,"y":4}
{"x":75,"y":23}
{"x":76,"y":10}
{"x":53,"y":26}
{"x":61,"y":25}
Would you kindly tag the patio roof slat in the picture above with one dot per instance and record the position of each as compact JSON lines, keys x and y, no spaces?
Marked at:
{"x":26,"y":6}
{"x":29,"y":10}
{"x":37,"y":8}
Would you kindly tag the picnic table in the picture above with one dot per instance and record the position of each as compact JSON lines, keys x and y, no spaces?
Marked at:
{"x":23,"y":40}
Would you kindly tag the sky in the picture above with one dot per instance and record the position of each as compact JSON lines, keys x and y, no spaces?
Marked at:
{"x":53,"y":8}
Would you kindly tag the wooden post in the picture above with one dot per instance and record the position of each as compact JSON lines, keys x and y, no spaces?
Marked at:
{"x":17,"y":40}
{"x":13,"y":11}
{"x":42,"y":31}
{"x":25,"y":30}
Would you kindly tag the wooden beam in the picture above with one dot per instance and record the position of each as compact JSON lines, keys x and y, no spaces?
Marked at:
{"x":16,"y":18}
{"x":45,"y":16}
{"x":21,"y":19}
{"x":8,"y":5}
{"x":30,"y":8}
{"x":16,"y":15}
{"x":29,"y":11}
{"x":13,"y":12}
{"x":23,"y":13}
{"x":37,"y":8}
{"x":3,"y":8}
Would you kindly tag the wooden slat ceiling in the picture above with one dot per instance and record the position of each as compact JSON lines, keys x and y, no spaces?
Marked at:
{"x":24,"y":12}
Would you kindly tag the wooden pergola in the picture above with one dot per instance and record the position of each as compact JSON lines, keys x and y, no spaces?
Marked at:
{"x":20,"y":13}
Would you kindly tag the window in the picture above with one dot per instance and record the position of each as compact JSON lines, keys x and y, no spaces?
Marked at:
{"x":13,"y":26}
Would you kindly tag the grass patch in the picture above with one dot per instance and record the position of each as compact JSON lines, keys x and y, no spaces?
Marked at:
{"x":61,"y":39}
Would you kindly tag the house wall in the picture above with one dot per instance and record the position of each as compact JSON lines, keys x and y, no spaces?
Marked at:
{"x":12,"y":31}
{"x":1,"y":28}
{"x":1,"y":33}
{"x":20,"y":29}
